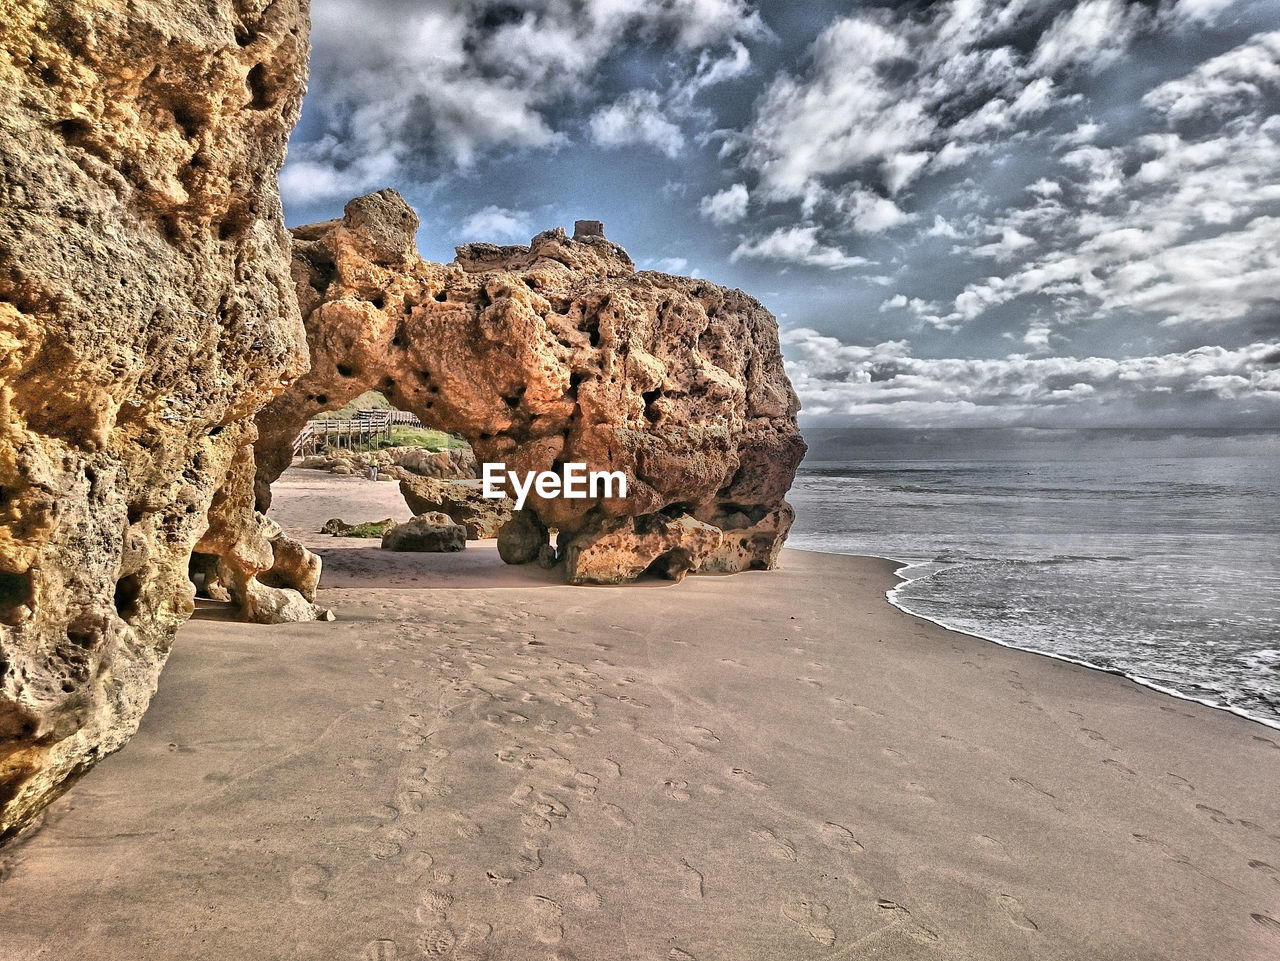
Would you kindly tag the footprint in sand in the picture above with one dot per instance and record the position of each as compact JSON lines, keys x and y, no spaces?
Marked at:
{"x":548,"y":926}
{"x":308,"y":883}
{"x":409,"y":802}
{"x":810,"y":916}
{"x":837,"y":835}
{"x":438,"y":942}
{"x":617,"y":815}
{"x":1092,"y":735}
{"x":584,"y":896}
{"x":1017,"y":916}
{"x":584,"y":784}
{"x":1266,"y":869}
{"x":675,"y":954}
{"x":1179,"y":782}
{"x":1268,"y":922}
{"x":416,"y":866}
{"x":994,"y":847}
{"x":466,"y":828}
{"x":691,"y":881}
{"x":384,"y":812}
{"x":778,"y":847}
{"x":380,"y":949}
{"x":1216,"y":816}
{"x":705,"y":735}
{"x":1265,"y":740}
{"x":434,"y":906}
{"x":1117,"y":766}
{"x":903,"y":917}
{"x":1034,"y":788}
{"x":742,"y":774}
{"x":676,"y":790}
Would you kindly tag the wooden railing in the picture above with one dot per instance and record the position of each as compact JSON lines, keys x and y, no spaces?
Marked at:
{"x":364,"y":428}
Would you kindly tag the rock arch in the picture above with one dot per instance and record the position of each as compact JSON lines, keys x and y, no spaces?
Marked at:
{"x":558,"y":352}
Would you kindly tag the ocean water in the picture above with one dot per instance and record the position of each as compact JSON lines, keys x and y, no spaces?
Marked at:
{"x":1153,"y":553}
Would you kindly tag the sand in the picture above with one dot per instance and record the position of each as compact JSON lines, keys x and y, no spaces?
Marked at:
{"x":478,"y":762}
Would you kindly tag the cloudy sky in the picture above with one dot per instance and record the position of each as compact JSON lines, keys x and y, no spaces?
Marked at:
{"x":965,"y":212}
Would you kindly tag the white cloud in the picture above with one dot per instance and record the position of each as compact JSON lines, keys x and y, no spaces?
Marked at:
{"x":1227,"y":84}
{"x":900,"y":169}
{"x":413,"y":82}
{"x":669,"y":265}
{"x":496,"y":223}
{"x":795,"y":245}
{"x":728,"y":206}
{"x":1191,"y":237}
{"x":1011,"y":242}
{"x":1199,"y":13}
{"x":942,"y":228}
{"x":885,"y":382}
{"x":1093,"y":34}
{"x":636,"y":119}
{"x":843,"y":114}
{"x":868,"y":212}
{"x":1045,"y":187}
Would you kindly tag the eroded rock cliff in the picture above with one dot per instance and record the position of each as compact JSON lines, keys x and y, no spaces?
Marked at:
{"x":556,"y":353}
{"x":146,"y":313}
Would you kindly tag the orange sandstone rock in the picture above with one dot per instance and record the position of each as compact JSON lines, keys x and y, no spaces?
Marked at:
{"x":146,"y":313}
{"x":555,"y":353}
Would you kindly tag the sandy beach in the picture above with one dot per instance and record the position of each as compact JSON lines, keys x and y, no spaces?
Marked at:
{"x":476,"y":761}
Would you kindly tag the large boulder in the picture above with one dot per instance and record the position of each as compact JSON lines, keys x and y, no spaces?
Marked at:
{"x":523,"y":539}
{"x":146,"y":314}
{"x":624,"y":548}
{"x":429,"y":533}
{"x":463,"y":500}
{"x":553,"y":354}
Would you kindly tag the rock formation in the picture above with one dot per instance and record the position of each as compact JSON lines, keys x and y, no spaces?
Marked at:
{"x":429,"y":533}
{"x":397,"y":463}
{"x":463,"y":500}
{"x":146,"y":313}
{"x":558,"y":353}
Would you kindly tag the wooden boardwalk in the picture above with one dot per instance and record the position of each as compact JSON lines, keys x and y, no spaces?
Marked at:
{"x":365,"y":428}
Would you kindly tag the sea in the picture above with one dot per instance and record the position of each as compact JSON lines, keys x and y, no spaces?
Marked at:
{"x":1150,"y":553}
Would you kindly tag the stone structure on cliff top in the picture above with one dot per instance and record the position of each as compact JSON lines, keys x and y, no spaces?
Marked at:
{"x":146,"y":313}
{"x":555,"y":353}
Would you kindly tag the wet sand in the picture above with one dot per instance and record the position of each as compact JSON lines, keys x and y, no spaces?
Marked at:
{"x":476,"y":761}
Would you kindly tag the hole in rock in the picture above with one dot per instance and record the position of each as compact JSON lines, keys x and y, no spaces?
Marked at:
{"x":261,"y":89}
{"x":15,"y":592}
{"x":649,"y":397}
{"x":127,"y":597}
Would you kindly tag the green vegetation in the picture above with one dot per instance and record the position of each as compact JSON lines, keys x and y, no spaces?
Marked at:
{"x":369,"y":400}
{"x":402,"y":435}
{"x":367,"y":529}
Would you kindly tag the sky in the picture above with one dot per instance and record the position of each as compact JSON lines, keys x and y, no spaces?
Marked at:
{"x":962,"y":213}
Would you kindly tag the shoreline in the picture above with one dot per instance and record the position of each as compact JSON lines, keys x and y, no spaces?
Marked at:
{"x":477,"y":762}
{"x":892,"y":598}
